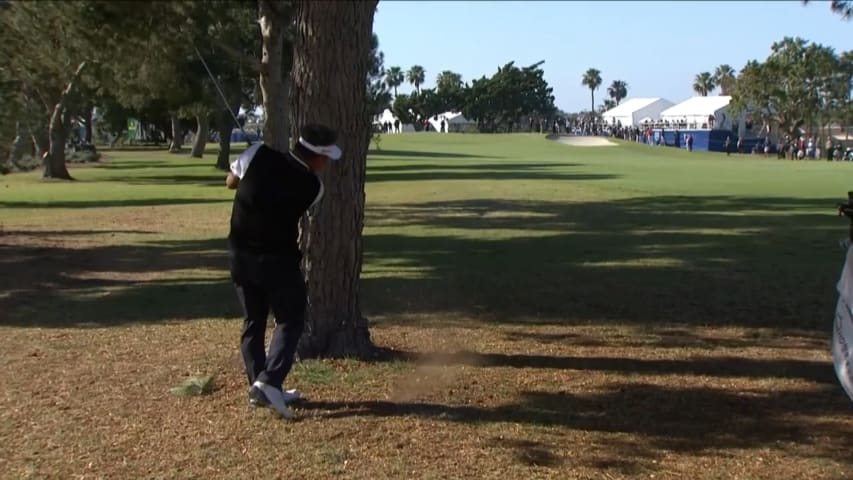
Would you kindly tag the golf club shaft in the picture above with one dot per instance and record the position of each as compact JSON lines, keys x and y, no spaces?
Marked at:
{"x":222,"y":95}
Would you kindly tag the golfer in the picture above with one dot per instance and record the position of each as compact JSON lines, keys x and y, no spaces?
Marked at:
{"x":274,"y":189}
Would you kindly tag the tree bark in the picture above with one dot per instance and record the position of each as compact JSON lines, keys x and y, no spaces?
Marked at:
{"x":332,"y":57}
{"x":177,"y":135}
{"x":274,"y":79}
{"x":201,"y":134}
{"x":54,"y":161}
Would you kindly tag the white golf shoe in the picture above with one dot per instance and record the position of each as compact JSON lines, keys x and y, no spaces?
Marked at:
{"x":268,"y":396}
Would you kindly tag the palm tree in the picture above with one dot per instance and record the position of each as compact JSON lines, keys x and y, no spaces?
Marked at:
{"x":618,"y":90}
{"x":724,"y":77}
{"x":448,"y":81}
{"x":592,"y":80}
{"x":416,"y":76}
{"x":394,"y":78}
{"x":704,"y":84}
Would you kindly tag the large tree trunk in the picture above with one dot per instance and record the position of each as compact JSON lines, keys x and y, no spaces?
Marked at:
{"x":177,"y":135}
{"x":274,"y":79}
{"x":201,"y":134}
{"x":54,"y":161}
{"x":332,"y":49}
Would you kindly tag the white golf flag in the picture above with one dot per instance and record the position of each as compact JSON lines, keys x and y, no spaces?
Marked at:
{"x":842,"y":331}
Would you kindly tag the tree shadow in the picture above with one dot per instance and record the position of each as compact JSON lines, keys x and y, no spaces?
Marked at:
{"x":662,"y":418}
{"x":818,"y":372}
{"x":753,"y":262}
{"x":105,"y":286}
{"x":140,"y":202}
{"x":415,"y":154}
{"x":480,"y":171}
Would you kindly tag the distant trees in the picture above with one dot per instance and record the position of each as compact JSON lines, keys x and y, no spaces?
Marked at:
{"x":416,"y":76}
{"x":703,"y":84}
{"x":499,"y":101}
{"x":724,"y":77}
{"x":592,"y":80}
{"x":394,"y":78}
{"x":799,"y":85}
{"x":618,"y":90}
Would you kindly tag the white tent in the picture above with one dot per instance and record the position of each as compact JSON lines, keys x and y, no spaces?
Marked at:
{"x":388,"y":116}
{"x":454,"y":122}
{"x":711,"y":113}
{"x":630,"y":112}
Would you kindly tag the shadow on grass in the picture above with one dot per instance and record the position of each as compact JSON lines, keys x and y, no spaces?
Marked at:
{"x":141,"y":202}
{"x":691,"y":420}
{"x":114,"y":285}
{"x":658,"y":261}
{"x":480,"y":171}
{"x":414,"y":154}
{"x":753,"y":262}
{"x":734,"y":367}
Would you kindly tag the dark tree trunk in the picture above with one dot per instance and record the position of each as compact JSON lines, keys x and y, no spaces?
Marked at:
{"x":54,"y":161}
{"x":177,"y":136}
{"x":88,"y":121}
{"x":225,"y":125}
{"x":274,"y":79}
{"x":201,"y":134}
{"x":332,"y":49}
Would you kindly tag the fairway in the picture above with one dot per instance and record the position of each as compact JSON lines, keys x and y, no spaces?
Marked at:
{"x":544,"y":310}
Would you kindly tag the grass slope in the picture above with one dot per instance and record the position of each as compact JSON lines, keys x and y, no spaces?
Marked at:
{"x":555,"y":312}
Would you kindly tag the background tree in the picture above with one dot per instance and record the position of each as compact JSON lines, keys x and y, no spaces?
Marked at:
{"x":511,"y":93}
{"x":378,"y":96}
{"x":793,"y":87}
{"x":618,"y":90}
{"x":416,"y":76}
{"x":606,"y":105}
{"x":450,"y":91}
{"x":275,"y":20}
{"x":45,"y":86}
{"x":394,"y":78}
{"x":724,"y":77}
{"x":592,"y":80}
{"x":333,"y":40}
{"x":703,"y":84}
{"x":841,"y":7}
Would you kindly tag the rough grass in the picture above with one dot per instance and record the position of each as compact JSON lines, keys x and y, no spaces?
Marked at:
{"x":547,"y":312}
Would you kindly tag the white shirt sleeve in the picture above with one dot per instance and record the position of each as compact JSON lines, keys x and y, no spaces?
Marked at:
{"x":241,"y":163}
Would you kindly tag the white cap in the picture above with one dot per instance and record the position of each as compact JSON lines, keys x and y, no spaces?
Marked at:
{"x":332,"y":151}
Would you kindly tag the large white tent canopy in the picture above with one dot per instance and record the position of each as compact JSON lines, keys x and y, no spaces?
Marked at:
{"x":631,"y":112}
{"x":702,"y":112}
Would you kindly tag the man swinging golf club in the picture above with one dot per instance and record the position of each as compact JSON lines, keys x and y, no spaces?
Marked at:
{"x":274,"y":189}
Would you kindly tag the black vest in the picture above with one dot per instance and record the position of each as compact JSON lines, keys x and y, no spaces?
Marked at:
{"x":272,"y":196}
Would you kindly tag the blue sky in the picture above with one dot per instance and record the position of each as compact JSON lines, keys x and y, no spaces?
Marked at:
{"x":657,"y":47}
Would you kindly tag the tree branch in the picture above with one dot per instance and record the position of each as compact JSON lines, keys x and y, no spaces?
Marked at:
{"x":239,"y":56}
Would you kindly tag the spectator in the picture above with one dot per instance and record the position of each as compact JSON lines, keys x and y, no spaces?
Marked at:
{"x":727,"y":145}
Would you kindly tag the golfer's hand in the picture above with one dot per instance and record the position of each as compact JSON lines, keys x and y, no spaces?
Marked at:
{"x":231,"y":181}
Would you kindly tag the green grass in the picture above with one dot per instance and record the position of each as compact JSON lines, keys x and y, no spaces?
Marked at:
{"x":560,"y":312}
{"x":457,"y":223}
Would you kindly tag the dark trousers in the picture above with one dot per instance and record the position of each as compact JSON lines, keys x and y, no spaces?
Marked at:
{"x":269,"y":283}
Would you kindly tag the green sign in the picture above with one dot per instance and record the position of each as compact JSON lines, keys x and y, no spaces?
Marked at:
{"x":132,"y":128}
